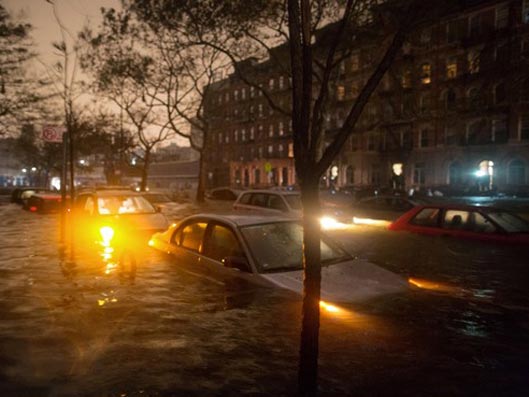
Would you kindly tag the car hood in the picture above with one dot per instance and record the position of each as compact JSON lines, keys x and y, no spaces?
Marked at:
{"x":350,"y":281}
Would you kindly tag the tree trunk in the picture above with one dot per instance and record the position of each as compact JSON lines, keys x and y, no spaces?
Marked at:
{"x":200,"y":196}
{"x":309,"y":343}
{"x":145,"y":170}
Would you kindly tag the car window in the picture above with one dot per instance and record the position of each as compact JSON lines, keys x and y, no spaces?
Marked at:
{"x":456,"y":219}
{"x":294,"y":201}
{"x":245,"y":199}
{"x":191,"y":235}
{"x":222,"y":243}
{"x":276,"y":203}
{"x":480,"y":224}
{"x":88,"y":207}
{"x":279,"y":246}
{"x":426,"y":217}
{"x":509,"y":222}
{"x":124,"y":204}
{"x":258,"y":199}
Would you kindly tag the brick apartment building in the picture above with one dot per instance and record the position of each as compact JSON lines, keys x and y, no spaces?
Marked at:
{"x":452,"y":111}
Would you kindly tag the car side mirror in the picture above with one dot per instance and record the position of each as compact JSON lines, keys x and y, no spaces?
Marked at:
{"x":237,"y":262}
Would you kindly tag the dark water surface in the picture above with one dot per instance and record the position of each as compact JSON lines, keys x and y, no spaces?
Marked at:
{"x":71,"y":329}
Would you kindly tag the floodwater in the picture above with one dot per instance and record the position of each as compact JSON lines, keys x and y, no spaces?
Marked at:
{"x":79,"y":329}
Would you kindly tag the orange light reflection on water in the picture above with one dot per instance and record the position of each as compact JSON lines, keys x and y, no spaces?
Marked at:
{"x":371,"y":222}
{"x":435,"y":286}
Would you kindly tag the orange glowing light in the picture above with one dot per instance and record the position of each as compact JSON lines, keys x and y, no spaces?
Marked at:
{"x":330,"y":308}
{"x":370,"y":222}
{"x":434,"y":286}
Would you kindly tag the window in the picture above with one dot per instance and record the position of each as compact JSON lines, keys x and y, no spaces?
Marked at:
{"x":281,"y":82}
{"x":451,"y":68}
{"x":243,"y":93}
{"x":271,"y":130}
{"x":353,"y":90}
{"x":281,"y":129}
{"x":236,"y":135}
{"x":473,"y":98}
{"x":252,"y":92}
{"x":450,"y":136}
{"x":243,"y":135}
{"x":480,"y":224}
{"x":227,"y":97}
{"x":257,"y":176}
{"x":340,"y":93}
{"x":260,"y":110}
{"x":424,"y":138}
{"x":426,"y":217}
{"x":291,"y":150}
{"x":350,"y":175}
{"x":516,"y":173}
{"x":418,"y":174}
{"x":473,"y":61}
{"x":222,"y":243}
{"x":450,"y":99}
{"x":276,"y":203}
{"x":258,"y":199}
{"x":499,"y":130}
{"x":236,"y":95}
{"x":455,"y":219}
{"x":405,"y":79}
{"x":475,"y":25}
{"x":425,"y":102}
{"x":426,"y":73}
{"x":252,"y":133}
{"x":452,"y":31}
{"x":500,"y":93}
{"x":426,"y":36}
{"x":191,"y":236}
{"x":502,"y":16}
{"x":270,"y":149}
{"x":477,"y":133}
{"x":271,"y":84}
{"x":524,"y":127}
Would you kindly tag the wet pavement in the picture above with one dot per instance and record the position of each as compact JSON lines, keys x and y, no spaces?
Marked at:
{"x":79,"y":329}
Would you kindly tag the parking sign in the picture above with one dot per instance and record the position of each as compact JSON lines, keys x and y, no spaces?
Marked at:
{"x":52,"y":133}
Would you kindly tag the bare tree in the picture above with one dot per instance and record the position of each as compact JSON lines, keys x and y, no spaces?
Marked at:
{"x":316,"y":37}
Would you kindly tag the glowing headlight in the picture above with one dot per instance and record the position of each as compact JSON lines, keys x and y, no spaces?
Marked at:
{"x":327,"y":222}
{"x":107,"y":233}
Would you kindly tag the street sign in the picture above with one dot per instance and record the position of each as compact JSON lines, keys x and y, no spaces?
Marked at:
{"x":267,"y":167}
{"x":52,"y":133}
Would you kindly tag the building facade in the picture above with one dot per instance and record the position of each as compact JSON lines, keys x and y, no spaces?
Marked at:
{"x":453,"y":110}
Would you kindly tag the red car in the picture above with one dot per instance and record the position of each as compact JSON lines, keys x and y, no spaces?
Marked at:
{"x":463,"y":221}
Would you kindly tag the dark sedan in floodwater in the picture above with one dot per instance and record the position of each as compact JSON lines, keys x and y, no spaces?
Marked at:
{"x":268,"y":250}
{"x":463,"y":221}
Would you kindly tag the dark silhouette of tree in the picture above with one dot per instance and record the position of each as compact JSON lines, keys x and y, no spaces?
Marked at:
{"x":20,"y":92}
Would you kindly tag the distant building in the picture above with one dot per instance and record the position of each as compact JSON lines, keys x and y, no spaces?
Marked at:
{"x":173,"y":175}
{"x":174,"y":152}
{"x":452,"y":111}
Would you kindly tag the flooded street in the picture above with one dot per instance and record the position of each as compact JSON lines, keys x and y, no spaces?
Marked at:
{"x":77,"y":329}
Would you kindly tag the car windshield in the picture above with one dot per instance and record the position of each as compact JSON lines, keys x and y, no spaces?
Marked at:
{"x":509,"y":222}
{"x":124,"y":204}
{"x":278,"y":247}
{"x":155,"y":198}
{"x":294,"y":201}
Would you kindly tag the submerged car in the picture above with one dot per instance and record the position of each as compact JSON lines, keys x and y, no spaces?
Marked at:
{"x":163,"y":202}
{"x":270,"y":201}
{"x":44,"y":202}
{"x":464,"y":221}
{"x":267,"y":250}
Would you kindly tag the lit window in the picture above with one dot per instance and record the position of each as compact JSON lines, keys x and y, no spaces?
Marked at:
{"x":252,"y":92}
{"x":426,"y":73}
{"x":340,"y":93}
{"x":271,"y":84}
{"x":270,"y":149}
{"x":290,"y":150}
{"x":281,"y":82}
{"x":405,"y":79}
{"x":236,"y":135}
{"x":252,"y":133}
{"x":451,"y":68}
{"x":236,"y":95}
{"x":271,"y":130}
{"x":243,"y":135}
{"x":281,"y":128}
{"x":243,"y":93}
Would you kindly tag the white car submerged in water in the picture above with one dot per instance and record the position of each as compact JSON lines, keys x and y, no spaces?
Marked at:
{"x":268,"y":250}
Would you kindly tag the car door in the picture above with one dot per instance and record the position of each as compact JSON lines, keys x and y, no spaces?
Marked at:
{"x":426,"y":221}
{"x":186,"y":244}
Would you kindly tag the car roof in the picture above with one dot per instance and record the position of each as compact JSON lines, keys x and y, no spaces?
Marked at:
{"x":461,"y":207}
{"x":114,"y":192}
{"x":281,"y":192}
{"x":242,"y":219}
